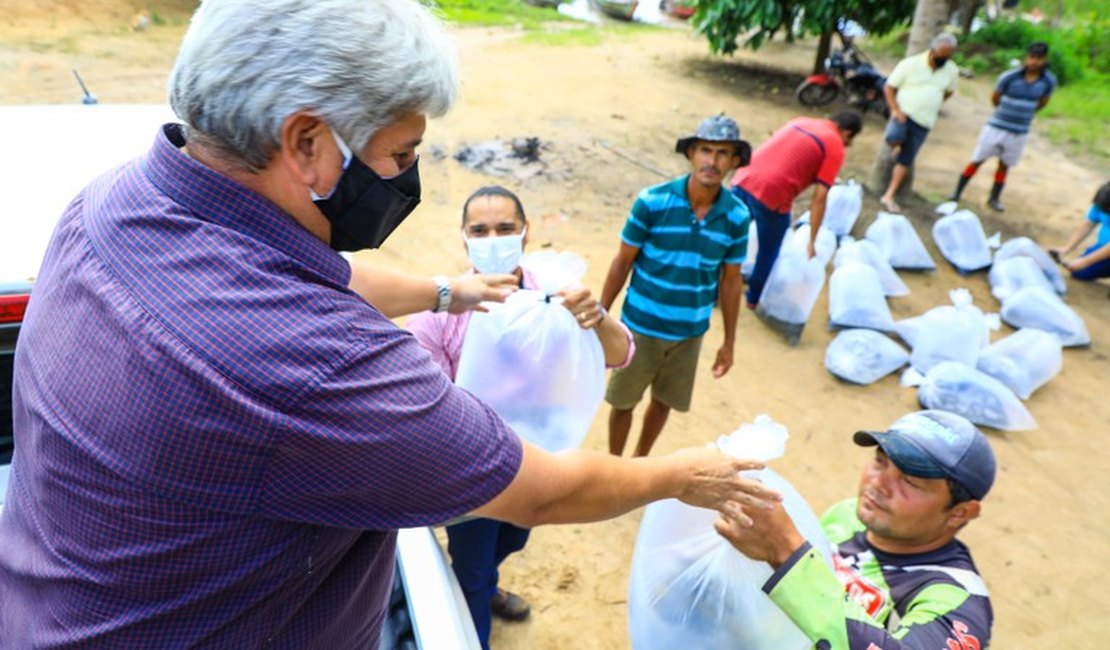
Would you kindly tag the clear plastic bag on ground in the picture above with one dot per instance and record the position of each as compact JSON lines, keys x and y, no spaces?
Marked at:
{"x":866,"y":251}
{"x":961,"y":240}
{"x":689,"y":588}
{"x":1026,"y":247}
{"x":863,"y":356}
{"x":953,"y":332}
{"x":531,"y":363}
{"x":791,"y":291}
{"x":1007,"y":276}
{"x":1023,"y":361}
{"x":842,"y":207}
{"x":1044,"y":310}
{"x":898,"y":241}
{"x":963,"y":390}
{"x":856,"y":299}
{"x":824,"y":247}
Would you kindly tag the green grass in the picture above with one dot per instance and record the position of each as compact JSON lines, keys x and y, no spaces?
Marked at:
{"x":499,"y":13}
{"x":1078,"y":117}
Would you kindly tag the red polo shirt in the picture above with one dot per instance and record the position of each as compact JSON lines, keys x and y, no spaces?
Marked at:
{"x":805,"y":151}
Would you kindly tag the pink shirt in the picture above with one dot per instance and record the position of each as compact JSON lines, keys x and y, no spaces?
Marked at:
{"x":442,"y":334}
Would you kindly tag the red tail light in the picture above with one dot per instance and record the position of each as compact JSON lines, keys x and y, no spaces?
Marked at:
{"x":12,"y":307}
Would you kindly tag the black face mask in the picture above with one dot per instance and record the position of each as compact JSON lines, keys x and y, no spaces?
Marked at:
{"x":939,"y":61}
{"x":364,"y":208}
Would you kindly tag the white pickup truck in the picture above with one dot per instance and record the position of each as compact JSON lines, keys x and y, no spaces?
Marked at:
{"x":51,"y":153}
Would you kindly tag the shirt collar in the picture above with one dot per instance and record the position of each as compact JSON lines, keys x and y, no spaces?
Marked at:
{"x":213,"y":197}
{"x":718,"y":208}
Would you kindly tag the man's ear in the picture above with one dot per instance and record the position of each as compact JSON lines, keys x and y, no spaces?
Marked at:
{"x":962,"y":513}
{"x":300,"y":149}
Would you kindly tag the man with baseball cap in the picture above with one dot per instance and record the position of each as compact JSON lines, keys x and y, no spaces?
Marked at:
{"x":900,"y":578}
{"x":683,"y":245}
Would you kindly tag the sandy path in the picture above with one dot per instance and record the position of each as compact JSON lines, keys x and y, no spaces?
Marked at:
{"x":1044,"y":532}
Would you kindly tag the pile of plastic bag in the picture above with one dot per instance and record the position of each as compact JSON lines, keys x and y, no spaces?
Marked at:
{"x":689,"y":588}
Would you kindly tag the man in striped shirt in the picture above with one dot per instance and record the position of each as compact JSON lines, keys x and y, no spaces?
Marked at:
{"x":1018,"y":95}
{"x":683,"y":244}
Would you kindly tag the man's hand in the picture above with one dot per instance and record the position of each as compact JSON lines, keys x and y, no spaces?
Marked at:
{"x":764,"y":534}
{"x":583,"y":306}
{"x":723,"y":362}
{"x":900,"y":116}
{"x":811,"y":248}
{"x":469,"y":291}
{"x":712,"y":480}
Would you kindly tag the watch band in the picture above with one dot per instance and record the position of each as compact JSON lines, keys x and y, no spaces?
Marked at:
{"x":443,"y":293}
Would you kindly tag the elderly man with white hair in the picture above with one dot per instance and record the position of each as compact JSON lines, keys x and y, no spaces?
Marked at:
{"x":218,"y":429}
{"x":915,"y":92}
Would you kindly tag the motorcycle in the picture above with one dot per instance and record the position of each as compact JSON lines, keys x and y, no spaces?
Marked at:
{"x":849,"y":72}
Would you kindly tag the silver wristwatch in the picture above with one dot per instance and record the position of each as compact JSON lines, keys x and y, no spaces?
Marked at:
{"x":443,"y":293}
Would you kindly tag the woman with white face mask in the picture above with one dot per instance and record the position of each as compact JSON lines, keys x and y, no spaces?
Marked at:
{"x":495,"y":231}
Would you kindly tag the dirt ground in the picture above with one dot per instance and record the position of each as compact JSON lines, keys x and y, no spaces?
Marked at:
{"x":1042,"y":541}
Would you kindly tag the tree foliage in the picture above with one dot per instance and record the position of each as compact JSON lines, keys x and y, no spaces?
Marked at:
{"x":725,"y":22}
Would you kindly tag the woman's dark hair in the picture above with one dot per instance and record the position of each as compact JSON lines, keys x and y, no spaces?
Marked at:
{"x":1102,"y":198}
{"x":495,"y":190}
{"x":849,"y":121}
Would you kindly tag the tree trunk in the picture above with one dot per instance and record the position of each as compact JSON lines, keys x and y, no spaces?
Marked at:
{"x":968,"y":9}
{"x":823,"y":47}
{"x":929,"y":18}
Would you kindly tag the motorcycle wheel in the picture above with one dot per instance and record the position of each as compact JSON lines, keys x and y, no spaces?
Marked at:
{"x":812,"y":94}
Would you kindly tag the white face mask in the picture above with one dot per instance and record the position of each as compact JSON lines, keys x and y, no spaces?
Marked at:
{"x":496,"y":254}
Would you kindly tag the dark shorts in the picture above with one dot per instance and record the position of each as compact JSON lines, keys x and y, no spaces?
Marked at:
{"x":908,"y":135}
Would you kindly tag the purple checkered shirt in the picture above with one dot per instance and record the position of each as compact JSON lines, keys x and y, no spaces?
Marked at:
{"x":215,"y":438}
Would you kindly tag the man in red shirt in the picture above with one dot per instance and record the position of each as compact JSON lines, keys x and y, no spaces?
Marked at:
{"x":805,"y":151}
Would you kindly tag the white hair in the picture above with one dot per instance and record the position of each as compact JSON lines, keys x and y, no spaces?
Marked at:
{"x":246,"y":65}
{"x":943,"y":39}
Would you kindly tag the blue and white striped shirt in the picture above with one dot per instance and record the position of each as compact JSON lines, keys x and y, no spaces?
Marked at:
{"x":675,"y":276}
{"x":1020,"y":99}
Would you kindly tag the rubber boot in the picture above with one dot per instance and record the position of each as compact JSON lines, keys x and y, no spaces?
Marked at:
{"x":960,"y":185}
{"x":996,"y":193}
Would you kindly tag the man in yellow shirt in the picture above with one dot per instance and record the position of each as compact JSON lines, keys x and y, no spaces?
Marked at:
{"x":915,"y":91}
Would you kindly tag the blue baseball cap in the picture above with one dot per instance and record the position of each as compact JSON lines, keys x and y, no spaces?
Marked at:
{"x":937,"y":444}
{"x":718,"y":128}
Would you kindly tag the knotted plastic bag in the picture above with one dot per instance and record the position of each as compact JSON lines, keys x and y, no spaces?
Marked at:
{"x":1009,"y":275}
{"x":856,"y":299}
{"x":689,"y":587}
{"x":963,"y":390}
{"x":532,"y":364}
{"x":792,"y":288}
{"x":896,"y":238}
{"x":961,"y":240}
{"x":863,"y":356}
{"x":953,"y":332}
{"x":1023,"y":361}
{"x":866,"y":251}
{"x":1037,"y":307}
{"x":842,"y":207}
{"x":1025,"y":247}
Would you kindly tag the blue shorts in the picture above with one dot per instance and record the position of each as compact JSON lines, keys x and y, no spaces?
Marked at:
{"x":909,"y":135}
